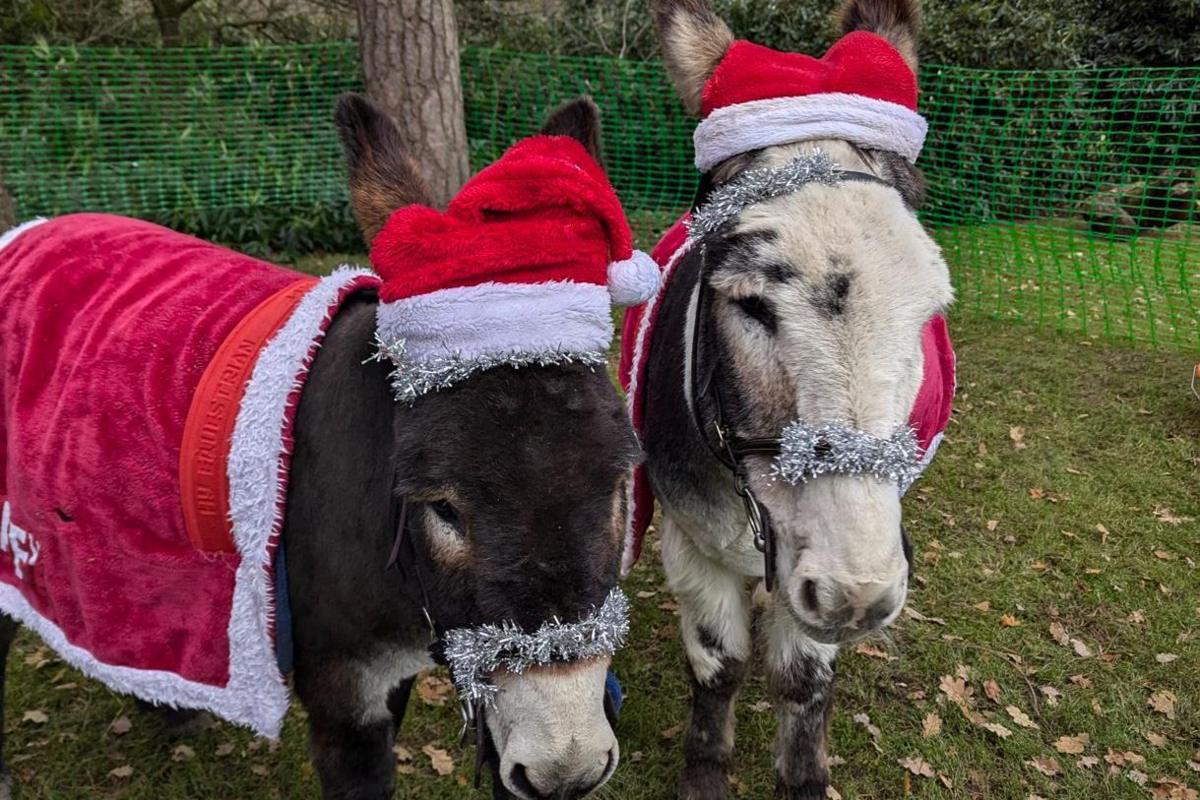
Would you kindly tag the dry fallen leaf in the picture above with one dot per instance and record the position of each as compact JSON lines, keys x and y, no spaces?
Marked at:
{"x":1009,"y":621}
{"x":832,"y":793}
{"x":434,"y":690}
{"x":1082,"y":681}
{"x":1087,"y":762}
{"x":1051,"y":694}
{"x":932,"y":725}
{"x":1169,"y":517}
{"x":956,"y":689}
{"x":1136,"y":617}
{"x":1173,"y":789}
{"x":225,"y":749}
{"x":1021,"y":718}
{"x":120,"y":726}
{"x":260,"y":770}
{"x":1017,"y":434}
{"x":873,"y":730}
{"x":1165,"y":658}
{"x":874,"y":652}
{"x":1081,"y":649}
{"x":121,"y":772}
{"x":1155,"y":739}
{"x":992,"y":690}
{"x":182,"y":752}
{"x":1120,"y":759}
{"x":917,"y":766}
{"x":992,"y":524}
{"x":441,"y":761}
{"x":1137,"y":776}
{"x":673,"y":731}
{"x":1163,"y":702}
{"x":1047,"y":765}
{"x":996,"y":728}
{"x":1058,"y":632}
{"x":1073,"y":745}
{"x":985,"y":606}
{"x":36,"y":716}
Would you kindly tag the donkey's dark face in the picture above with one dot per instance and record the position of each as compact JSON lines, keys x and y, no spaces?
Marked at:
{"x":513,"y":485}
{"x":515,"y":480}
{"x":516,"y":484}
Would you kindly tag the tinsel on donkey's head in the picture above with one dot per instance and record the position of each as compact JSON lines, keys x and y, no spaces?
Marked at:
{"x":148,"y":386}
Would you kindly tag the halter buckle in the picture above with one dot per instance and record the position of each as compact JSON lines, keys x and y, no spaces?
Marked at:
{"x":466,"y":710}
{"x":433,"y":636}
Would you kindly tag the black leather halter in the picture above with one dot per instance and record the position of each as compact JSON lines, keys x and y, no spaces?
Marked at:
{"x":724,"y":444}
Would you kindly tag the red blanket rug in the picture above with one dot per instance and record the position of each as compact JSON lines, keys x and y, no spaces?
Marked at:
{"x":147,"y":386}
{"x":929,"y":417}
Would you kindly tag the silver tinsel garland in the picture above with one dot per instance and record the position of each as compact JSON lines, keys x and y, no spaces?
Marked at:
{"x":475,"y":653}
{"x":806,"y":451}
{"x":759,"y":185}
{"x":412,"y":378}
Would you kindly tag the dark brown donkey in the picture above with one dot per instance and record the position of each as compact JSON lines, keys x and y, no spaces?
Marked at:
{"x":498,"y":500}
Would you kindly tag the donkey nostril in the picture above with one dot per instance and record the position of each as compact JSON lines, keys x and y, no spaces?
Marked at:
{"x":808,"y":592}
{"x":520,"y":781}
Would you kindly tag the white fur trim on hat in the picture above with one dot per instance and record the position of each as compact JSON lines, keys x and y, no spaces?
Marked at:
{"x":442,"y":337}
{"x":633,"y":280}
{"x":864,"y":121}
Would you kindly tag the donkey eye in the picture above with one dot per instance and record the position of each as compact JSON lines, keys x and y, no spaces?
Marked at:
{"x":447,"y":513}
{"x":757,"y":309}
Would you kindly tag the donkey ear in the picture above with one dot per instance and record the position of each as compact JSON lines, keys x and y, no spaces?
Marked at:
{"x":694,"y":40}
{"x":898,"y":21}
{"x":579,"y":119}
{"x":382,"y":179}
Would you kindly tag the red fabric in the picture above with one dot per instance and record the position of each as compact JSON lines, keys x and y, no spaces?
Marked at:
{"x":208,"y":430}
{"x":641,"y":510}
{"x":108,"y":325}
{"x":544,"y":212}
{"x":929,"y":417}
{"x":859,"y":63}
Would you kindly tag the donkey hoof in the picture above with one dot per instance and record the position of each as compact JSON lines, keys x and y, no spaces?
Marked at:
{"x":704,"y":782}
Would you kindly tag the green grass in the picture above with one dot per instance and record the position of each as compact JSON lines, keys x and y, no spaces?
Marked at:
{"x":1111,"y":438}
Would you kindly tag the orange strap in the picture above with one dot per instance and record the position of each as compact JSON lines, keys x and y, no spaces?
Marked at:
{"x":208,"y":432}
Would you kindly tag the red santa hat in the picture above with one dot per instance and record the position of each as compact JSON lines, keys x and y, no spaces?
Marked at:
{"x":521,"y":269}
{"x":861,"y":91}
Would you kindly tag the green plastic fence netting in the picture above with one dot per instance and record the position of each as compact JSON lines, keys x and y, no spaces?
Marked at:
{"x":1065,"y":198}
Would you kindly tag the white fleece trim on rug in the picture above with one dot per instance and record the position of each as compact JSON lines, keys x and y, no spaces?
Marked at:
{"x":864,"y":121}
{"x":10,"y":235}
{"x":639,"y":353}
{"x":497,"y":319}
{"x":255,"y":695}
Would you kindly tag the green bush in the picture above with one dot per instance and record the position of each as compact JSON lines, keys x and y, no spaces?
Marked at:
{"x":991,"y":34}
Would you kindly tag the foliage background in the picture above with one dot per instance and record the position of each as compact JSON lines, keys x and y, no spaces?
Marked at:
{"x":996,"y":34}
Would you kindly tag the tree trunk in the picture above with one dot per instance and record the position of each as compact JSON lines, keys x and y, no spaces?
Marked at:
{"x":8,"y":208}
{"x":168,"y":13}
{"x":409,"y":54}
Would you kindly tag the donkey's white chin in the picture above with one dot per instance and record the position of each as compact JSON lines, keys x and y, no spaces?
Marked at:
{"x":551,"y":732}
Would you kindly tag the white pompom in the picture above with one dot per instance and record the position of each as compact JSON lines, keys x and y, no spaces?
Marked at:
{"x":633,"y":280}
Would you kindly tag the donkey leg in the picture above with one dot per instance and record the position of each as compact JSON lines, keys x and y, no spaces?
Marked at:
{"x":800,"y":675}
{"x":715,"y":622}
{"x":8,"y":632}
{"x":351,"y":745}
{"x":397,"y":702}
